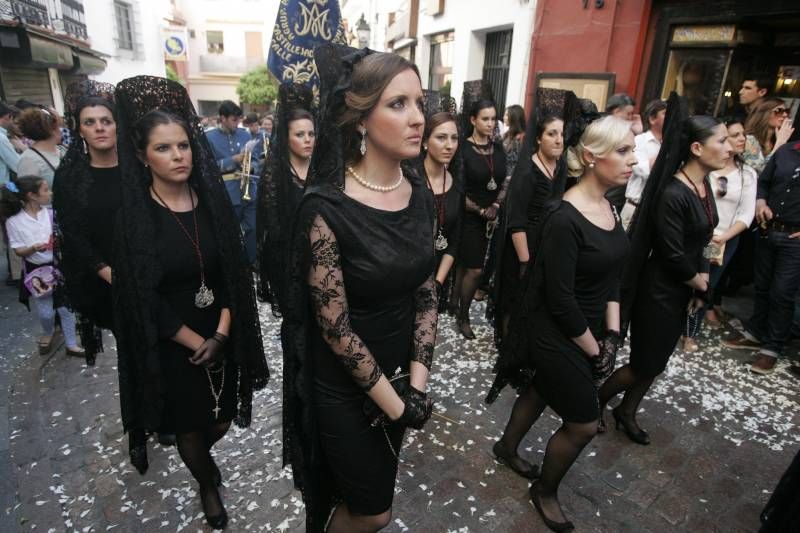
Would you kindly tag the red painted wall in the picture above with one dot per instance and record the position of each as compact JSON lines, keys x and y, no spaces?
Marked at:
{"x":569,"y":38}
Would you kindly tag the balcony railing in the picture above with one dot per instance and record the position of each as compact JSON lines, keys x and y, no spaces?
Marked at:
{"x":74,"y":22}
{"x":27,"y":11}
{"x":226,"y":64}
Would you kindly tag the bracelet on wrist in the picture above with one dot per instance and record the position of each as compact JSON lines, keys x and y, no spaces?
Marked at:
{"x":220,"y":337}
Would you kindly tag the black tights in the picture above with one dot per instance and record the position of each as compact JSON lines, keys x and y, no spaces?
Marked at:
{"x":469,"y":279}
{"x":562,"y":450}
{"x":194,"y":448}
{"x":624,"y":379}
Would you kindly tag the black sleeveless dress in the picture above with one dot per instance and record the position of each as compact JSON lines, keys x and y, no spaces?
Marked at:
{"x":368,"y":311}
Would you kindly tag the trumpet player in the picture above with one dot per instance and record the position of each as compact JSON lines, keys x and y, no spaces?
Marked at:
{"x":229,"y":142}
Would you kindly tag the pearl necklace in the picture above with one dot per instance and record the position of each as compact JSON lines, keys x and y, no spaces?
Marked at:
{"x":372,"y":186}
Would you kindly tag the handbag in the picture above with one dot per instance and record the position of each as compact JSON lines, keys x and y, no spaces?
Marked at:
{"x":40,"y":281}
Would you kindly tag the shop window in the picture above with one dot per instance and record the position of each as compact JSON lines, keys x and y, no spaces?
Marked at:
{"x":123,"y":14}
{"x":698,"y":75}
{"x":440,"y":74}
{"x":215,"y":43}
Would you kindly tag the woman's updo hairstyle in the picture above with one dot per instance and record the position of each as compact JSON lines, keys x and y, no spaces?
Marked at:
{"x":370,"y":78}
{"x":90,"y":101}
{"x":697,"y":128}
{"x":37,"y":123}
{"x":541,"y":126}
{"x":140,"y":132}
{"x":600,"y":137}
{"x":442,"y":117}
{"x":298,"y":114}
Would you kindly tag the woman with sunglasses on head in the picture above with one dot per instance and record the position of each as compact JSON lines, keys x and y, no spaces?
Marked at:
{"x":768,"y":127}
{"x":734,"y":189}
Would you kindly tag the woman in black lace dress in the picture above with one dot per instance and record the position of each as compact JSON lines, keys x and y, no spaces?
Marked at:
{"x":282,"y":185}
{"x":668,"y":276}
{"x":485,"y":188}
{"x":86,"y":199}
{"x":569,"y":311}
{"x":440,"y":146}
{"x":362,"y":297}
{"x":189,"y":341}
{"x":530,"y":187}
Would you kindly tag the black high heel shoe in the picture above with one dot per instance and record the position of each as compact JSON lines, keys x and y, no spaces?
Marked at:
{"x":552,"y":524}
{"x":636,"y":434}
{"x":219,"y":521}
{"x":464,"y":327}
{"x":515,"y":462}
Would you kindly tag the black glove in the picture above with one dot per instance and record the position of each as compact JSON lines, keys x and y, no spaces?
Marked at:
{"x":523,"y":269}
{"x":210,"y":352}
{"x":418,"y":409}
{"x":438,"y":289}
{"x":603,"y":363}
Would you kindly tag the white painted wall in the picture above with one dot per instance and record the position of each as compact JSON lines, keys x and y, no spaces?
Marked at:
{"x":147,"y":57}
{"x":471,"y":20}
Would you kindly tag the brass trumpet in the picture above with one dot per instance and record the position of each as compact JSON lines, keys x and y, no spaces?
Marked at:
{"x":247,"y":163}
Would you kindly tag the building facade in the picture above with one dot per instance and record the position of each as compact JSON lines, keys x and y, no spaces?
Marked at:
{"x":44,"y":46}
{"x":647,"y":48}
{"x":226,"y":39}
{"x":131,"y":42}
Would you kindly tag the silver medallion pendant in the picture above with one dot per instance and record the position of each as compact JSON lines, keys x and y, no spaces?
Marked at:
{"x":441,"y":242}
{"x":204,"y":297}
{"x":492,"y":185}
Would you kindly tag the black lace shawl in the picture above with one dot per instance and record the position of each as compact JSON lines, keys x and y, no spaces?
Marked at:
{"x":276,"y":204}
{"x":642,"y":228}
{"x":474,"y":91}
{"x":137,"y":271}
{"x":75,"y":257}
{"x":511,"y":366}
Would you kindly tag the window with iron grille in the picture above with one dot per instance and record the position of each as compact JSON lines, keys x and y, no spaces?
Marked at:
{"x":496,"y":63}
{"x":124,"y":18}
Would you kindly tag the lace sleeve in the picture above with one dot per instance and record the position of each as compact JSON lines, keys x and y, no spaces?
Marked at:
{"x":329,"y":302}
{"x":425,"y":321}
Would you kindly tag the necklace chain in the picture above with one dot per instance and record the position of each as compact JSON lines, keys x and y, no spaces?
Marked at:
{"x":372,"y":186}
{"x":705,"y":202}
{"x":196,"y":241}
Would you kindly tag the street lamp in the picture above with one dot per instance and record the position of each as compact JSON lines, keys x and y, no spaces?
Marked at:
{"x":362,"y":31}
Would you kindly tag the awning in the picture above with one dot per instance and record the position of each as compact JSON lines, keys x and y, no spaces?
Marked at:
{"x":50,"y":54}
{"x":86,"y":63}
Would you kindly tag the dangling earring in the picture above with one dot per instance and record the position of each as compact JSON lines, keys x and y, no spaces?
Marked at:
{"x":425,"y":147}
{"x":85,"y":148}
{"x":591,"y":164}
{"x":363,"y":147}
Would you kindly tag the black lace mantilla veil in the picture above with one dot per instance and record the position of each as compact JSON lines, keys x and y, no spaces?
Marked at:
{"x":642,"y":227}
{"x":76,"y":260}
{"x":137,"y":266}
{"x":300,"y":445}
{"x":275,"y":206}
{"x":511,"y":367}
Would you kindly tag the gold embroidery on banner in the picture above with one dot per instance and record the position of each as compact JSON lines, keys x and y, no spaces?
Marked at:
{"x":314,"y":22}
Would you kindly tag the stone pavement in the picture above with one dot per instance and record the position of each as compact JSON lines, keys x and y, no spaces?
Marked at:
{"x":721,"y":439}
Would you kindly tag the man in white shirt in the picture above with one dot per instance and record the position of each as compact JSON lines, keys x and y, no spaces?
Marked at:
{"x":647,"y":146}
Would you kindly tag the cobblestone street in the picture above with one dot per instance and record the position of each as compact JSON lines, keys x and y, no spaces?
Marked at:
{"x":721,"y":438}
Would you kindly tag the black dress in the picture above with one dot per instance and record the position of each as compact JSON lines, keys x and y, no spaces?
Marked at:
{"x":527,"y":195}
{"x":189,"y":401}
{"x":659,"y":312}
{"x":373,"y":308}
{"x":476,"y":177}
{"x":451,"y":203}
{"x":104,"y":201}
{"x":582,"y":264}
